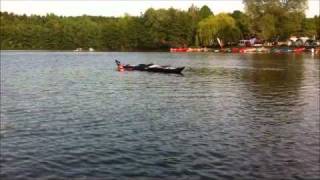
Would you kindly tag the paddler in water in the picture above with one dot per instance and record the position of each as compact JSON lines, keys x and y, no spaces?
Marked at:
{"x":120,"y":66}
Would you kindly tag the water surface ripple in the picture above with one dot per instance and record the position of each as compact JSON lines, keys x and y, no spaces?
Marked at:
{"x":67,"y":115}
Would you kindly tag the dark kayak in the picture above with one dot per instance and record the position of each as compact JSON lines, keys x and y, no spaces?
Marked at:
{"x":149,"y":68}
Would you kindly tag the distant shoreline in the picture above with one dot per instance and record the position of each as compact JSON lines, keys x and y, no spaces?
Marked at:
{"x":23,"y":50}
{"x":156,"y":50}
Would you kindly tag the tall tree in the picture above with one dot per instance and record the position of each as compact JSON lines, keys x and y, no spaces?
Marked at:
{"x":221,"y":25}
{"x":205,"y":12}
{"x":242,"y":22}
{"x":286,"y":16}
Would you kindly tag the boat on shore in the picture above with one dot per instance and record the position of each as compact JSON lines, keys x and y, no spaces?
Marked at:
{"x":178,"y":49}
{"x":149,"y":68}
{"x":189,"y":49}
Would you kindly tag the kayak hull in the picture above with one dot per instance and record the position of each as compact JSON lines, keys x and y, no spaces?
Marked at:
{"x":164,"y":70}
{"x":177,"y":70}
{"x":149,"y":68}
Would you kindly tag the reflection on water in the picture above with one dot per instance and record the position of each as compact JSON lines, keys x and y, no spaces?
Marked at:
{"x":71,"y":115}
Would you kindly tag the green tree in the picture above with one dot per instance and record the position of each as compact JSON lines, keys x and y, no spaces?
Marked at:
{"x":242,"y":22}
{"x":221,"y":25}
{"x":194,"y":19}
{"x":268,"y":24}
{"x":286,"y":15}
{"x":309,"y":27}
{"x":168,"y":28}
{"x":317,"y":22}
{"x":205,"y":12}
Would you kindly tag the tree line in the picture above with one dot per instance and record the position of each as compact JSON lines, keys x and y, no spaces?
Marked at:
{"x":158,"y":29}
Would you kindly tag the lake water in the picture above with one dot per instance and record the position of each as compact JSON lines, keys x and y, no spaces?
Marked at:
{"x":68,"y":115}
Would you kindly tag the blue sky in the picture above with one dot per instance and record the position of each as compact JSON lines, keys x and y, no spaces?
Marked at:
{"x":120,"y":7}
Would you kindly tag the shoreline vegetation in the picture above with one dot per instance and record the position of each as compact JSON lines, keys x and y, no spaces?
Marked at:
{"x":67,"y":50}
{"x":161,"y":29}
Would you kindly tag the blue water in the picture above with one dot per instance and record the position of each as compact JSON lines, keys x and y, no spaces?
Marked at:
{"x":68,"y":115}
